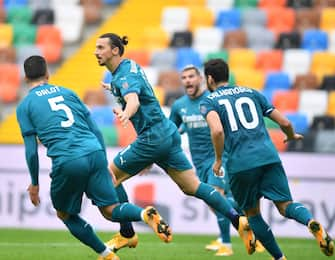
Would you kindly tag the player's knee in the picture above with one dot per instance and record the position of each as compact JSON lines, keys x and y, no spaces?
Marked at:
{"x":107,"y":211}
{"x":62,"y":215}
{"x":281,"y":206}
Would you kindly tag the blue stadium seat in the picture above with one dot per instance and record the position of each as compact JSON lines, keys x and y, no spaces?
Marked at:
{"x":314,"y":40}
{"x":277,"y":80}
{"x":186,"y":56}
{"x":299,"y":121}
{"x":103,"y":115}
{"x":229,"y":19}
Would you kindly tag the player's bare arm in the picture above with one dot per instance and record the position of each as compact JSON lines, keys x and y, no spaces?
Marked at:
{"x":285,"y":125}
{"x":217,"y":136}
{"x":131,"y":108}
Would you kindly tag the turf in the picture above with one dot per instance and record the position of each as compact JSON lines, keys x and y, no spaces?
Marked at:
{"x":18,"y":244}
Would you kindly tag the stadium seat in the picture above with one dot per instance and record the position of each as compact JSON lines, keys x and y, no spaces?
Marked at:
{"x":126,"y":135}
{"x":24,"y":34}
{"x":299,"y":122}
{"x":249,"y":77}
{"x":9,"y":82}
{"x":331,"y":104}
{"x":200,"y":16}
{"x":40,"y":4}
{"x":307,"y":18}
{"x":246,"y":3}
{"x":323,"y":64}
{"x":325,"y":141}
{"x":181,"y":39}
{"x":324,"y":3}
{"x":160,"y":94}
{"x":328,"y":83}
{"x":164,"y":59}
{"x":92,"y":11}
{"x":314,"y":40}
{"x":260,"y":38}
{"x":280,"y":20}
{"x":278,"y":137}
{"x":327,"y":20}
{"x":43,"y":16}
{"x":142,"y":57}
{"x":95,"y":97}
{"x":289,"y":40}
{"x":11,"y":3}
{"x":7,"y":54}
{"x":313,"y":103}
{"x":242,"y":58}
{"x":24,"y":51}
{"x":235,"y":39}
{"x":110,"y":135}
{"x":253,"y":17}
{"x":207,"y":39}
{"x":270,"y":124}
{"x":151,"y":74}
{"x":6,"y":35}
{"x":175,"y":19}
{"x":297,"y":4}
{"x":70,"y":20}
{"x":305,"y":81}
{"x":154,"y":37}
{"x":331,"y":41}
{"x":222,"y":54}
{"x":296,"y":61}
{"x":19,"y":14}
{"x":49,"y":40}
{"x":323,"y":122}
{"x":217,"y":5}
{"x":305,"y":145}
{"x":277,"y":81}
{"x":186,"y":56}
{"x":286,"y":101}
{"x":271,"y":3}
{"x":269,"y":60}
{"x":228,"y":19}
{"x":169,"y":80}
{"x":102,"y":115}
{"x":2,"y":14}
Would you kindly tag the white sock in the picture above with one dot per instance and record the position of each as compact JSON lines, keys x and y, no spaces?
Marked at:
{"x":106,"y":252}
{"x":227,"y":245}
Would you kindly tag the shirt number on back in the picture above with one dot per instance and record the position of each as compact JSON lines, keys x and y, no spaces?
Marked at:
{"x":56,"y":105}
{"x":240,"y":113}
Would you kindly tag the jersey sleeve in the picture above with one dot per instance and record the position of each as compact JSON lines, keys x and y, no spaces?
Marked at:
{"x":206,"y":105}
{"x":130,"y":83}
{"x":174,"y":115}
{"x":267,"y":108}
{"x":23,"y":118}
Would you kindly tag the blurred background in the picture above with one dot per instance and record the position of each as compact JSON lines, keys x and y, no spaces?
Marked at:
{"x":283,"y":48}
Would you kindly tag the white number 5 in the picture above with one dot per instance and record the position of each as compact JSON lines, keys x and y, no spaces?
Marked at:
{"x":54,"y":107}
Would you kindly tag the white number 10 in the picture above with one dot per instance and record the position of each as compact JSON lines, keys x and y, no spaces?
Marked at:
{"x":241,"y":116}
{"x":54,"y":107}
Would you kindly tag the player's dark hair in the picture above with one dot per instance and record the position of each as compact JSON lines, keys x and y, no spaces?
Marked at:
{"x":218,"y":69}
{"x":191,"y":67}
{"x":116,"y":41}
{"x":35,"y":67}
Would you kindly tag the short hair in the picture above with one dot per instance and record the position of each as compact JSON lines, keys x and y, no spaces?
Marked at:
{"x":218,"y":69}
{"x":191,"y":67}
{"x":35,"y":67}
{"x":116,"y":41}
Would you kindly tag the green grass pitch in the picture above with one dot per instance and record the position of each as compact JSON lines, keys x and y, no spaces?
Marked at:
{"x":18,"y":244}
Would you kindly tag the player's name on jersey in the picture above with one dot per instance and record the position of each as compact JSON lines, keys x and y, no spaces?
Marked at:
{"x":47,"y":91}
{"x":229,"y":91}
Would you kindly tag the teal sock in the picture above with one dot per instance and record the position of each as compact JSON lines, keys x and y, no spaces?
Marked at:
{"x":219,"y":203}
{"x":126,"y":212}
{"x":298,"y":212}
{"x":126,"y":228}
{"x":264,"y":234}
{"x":224,"y":226}
{"x":84,"y":232}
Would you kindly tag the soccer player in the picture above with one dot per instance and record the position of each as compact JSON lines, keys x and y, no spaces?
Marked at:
{"x":235,"y":118}
{"x":186,"y":115}
{"x":58,"y":118}
{"x":158,"y":140}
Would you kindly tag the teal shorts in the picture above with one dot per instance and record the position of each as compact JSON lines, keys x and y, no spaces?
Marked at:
{"x":267,"y":181}
{"x":165,"y":152}
{"x":206,"y":175}
{"x":88,"y":174}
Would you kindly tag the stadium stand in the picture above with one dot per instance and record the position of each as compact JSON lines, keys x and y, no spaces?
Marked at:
{"x":285,"y":49}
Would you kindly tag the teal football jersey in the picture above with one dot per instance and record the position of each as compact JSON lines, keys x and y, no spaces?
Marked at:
{"x":241,"y":111}
{"x":186,"y":111}
{"x":58,"y":118}
{"x":129,"y":77}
